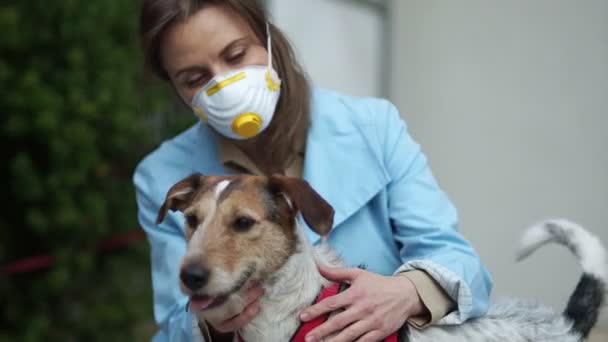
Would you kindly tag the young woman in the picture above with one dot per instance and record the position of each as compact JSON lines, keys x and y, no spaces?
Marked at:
{"x":259,"y":115}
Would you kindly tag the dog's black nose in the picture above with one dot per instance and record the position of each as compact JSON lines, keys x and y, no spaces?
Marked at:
{"x":194,"y":276}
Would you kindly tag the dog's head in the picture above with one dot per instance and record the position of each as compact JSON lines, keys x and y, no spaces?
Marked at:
{"x":240,"y":229}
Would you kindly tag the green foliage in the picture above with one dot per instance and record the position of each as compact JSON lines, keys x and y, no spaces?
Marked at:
{"x":71,"y":132}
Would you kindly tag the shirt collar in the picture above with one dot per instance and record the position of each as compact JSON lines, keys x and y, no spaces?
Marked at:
{"x":235,"y":159}
{"x":232,"y":157}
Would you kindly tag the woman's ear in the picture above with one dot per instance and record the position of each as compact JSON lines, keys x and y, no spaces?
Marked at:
{"x":317,"y":213}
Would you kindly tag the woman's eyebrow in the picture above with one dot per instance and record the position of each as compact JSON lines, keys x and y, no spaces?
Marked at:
{"x":224,"y":51}
{"x":188,"y":69}
{"x":229,"y":47}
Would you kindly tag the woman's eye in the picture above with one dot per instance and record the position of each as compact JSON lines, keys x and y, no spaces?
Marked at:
{"x":193,"y":82}
{"x":236,"y":57}
{"x":243,"y":223}
{"x":192,"y":221}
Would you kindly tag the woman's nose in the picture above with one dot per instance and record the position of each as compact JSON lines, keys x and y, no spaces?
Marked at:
{"x":219,"y":69}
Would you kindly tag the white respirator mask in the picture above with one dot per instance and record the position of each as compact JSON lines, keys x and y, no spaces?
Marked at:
{"x":240,"y":104}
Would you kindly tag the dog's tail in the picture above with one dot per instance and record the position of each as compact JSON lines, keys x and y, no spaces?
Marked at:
{"x":587,"y":299}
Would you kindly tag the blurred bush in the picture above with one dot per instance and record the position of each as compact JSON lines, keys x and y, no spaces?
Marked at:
{"x":72,"y":128}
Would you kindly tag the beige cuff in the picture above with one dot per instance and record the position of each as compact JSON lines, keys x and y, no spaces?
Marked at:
{"x":434,"y":298}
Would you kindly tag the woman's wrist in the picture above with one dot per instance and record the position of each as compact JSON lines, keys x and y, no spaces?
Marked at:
{"x":416,"y":307}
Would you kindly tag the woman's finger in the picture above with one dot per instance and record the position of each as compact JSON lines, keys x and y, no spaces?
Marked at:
{"x":238,"y":321}
{"x":353,"y":332}
{"x":333,"y":324}
{"x":372,"y":336}
{"x":339,"y":274}
{"x":327,"y":305}
{"x":253,"y":294}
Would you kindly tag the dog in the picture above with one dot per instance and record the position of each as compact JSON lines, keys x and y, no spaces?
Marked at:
{"x":243,"y":229}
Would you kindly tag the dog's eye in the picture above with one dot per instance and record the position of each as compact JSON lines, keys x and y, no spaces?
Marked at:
{"x":243,"y":223}
{"x":192,"y":220}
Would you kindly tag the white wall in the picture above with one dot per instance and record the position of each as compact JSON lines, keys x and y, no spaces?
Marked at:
{"x":510,"y":102}
{"x":336,"y":40}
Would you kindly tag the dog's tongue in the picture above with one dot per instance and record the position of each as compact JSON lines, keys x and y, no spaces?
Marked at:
{"x":200,"y":302}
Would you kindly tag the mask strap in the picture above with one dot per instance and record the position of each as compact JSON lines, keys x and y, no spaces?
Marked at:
{"x":268,"y":46}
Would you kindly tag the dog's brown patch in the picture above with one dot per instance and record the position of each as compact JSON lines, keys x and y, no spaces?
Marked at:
{"x":317,"y":213}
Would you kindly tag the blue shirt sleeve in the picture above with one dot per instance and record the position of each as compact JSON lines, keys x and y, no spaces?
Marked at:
{"x":168,"y":245}
{"x":425,"y":222}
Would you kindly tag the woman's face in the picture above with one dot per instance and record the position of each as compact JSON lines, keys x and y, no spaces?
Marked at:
{"x":210,"y":42}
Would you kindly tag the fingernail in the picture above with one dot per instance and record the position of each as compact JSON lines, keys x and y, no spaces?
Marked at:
{"x":304,"y":316}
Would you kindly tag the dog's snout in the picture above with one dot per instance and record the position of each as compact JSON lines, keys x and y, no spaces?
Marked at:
{"x":194,"y":276}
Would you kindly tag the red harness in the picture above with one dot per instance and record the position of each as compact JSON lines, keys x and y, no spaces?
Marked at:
{"x":305,"y":327}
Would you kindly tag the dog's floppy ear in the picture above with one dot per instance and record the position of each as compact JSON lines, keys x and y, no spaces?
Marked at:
{"x":180,"y":195}
{"x":317,"y":213}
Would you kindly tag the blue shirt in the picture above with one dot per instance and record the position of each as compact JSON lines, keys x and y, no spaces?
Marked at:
{"x":390,"y":214}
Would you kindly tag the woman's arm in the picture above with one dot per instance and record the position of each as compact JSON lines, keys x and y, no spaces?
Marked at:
{"x":426,"y":223}
{"x":168,"y":245}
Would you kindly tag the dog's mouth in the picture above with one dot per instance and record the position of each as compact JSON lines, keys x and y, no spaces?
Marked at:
{"x":205,"y":302}
{"x":202,"y":302}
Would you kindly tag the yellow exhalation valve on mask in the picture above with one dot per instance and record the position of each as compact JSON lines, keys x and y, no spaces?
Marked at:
{"x":247,"y":125}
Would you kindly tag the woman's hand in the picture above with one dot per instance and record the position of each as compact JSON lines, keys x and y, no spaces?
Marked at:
{"x":251,"y":309}
{"x":374,"y":306}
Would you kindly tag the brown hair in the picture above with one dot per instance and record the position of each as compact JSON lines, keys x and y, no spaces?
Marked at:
{"x":292,"y":117}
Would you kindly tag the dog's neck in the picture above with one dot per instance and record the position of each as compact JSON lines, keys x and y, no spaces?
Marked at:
{"x":291,"y":289}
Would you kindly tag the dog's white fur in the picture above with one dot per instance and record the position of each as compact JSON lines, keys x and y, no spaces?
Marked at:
{"x":293,"y":288}
{"x":587,"y":247}
{"x":297,"y":283}
{"x":198,"y":236}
